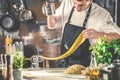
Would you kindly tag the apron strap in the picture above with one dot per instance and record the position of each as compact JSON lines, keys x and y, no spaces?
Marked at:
{"x":87,"y":16}
{"x":70,"y":15}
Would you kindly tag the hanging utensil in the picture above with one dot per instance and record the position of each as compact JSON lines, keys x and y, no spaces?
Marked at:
{"x":8,"y":21}
{"x":24,"y":13}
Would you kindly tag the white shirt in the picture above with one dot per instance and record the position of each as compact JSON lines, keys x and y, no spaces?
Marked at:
{"x":99,"y":19}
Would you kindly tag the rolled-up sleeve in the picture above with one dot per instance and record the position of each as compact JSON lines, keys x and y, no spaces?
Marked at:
{"x":62,"y":12}
{"x":110,"y":26}
{"x":58,"y":15}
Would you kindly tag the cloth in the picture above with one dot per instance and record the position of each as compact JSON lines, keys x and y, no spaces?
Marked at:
{"x":100,"y":19}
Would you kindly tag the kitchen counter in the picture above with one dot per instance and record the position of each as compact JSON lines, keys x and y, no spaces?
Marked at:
{"x":50,"y":74}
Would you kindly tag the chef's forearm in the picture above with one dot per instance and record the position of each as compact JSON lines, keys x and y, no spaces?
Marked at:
{"x":110,"y":36}
{"x":51,"y":21}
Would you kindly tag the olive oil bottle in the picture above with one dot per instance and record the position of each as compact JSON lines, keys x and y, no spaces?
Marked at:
{"x":94,"y":71}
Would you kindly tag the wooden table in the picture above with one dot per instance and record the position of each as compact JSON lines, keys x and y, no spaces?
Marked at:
{"x":50,"y":74}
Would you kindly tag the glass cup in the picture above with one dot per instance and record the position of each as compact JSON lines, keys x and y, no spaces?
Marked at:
{"x":3,"y":67}
{"x":48,"y":8}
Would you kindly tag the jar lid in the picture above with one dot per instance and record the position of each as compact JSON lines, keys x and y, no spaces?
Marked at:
{"x":116,"y":63}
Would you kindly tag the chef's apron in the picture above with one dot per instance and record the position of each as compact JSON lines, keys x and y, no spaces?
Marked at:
{"x":70,"y":33}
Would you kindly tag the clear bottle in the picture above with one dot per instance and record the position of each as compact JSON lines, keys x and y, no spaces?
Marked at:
{"x":13,"y":49}
{"x":93,"y":63}
{"x":94,"y":71}
{"x":9,"y":49}
{"x":17,"y":46}
{"x":21,"y":48}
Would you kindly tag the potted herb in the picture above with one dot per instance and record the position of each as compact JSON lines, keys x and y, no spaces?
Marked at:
{"x":106,"y":51}
{"x":18,"y":63}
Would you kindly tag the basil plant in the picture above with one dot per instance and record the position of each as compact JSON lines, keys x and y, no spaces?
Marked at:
{"x":105,"y":51}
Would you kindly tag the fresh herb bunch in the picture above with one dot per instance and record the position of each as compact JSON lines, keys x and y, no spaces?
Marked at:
{"x":18,"y":61}
{"x":116,"y":46}
{"x":106,"y":51}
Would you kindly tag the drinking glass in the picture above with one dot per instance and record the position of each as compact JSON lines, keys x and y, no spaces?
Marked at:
{"x":3,"y":67}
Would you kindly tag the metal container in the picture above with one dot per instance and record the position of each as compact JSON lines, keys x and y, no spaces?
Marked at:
{"x":115,"y":71}
{"x":48,"y":8}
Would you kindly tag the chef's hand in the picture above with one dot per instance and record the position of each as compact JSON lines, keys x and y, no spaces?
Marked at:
{"x":91,"y":34}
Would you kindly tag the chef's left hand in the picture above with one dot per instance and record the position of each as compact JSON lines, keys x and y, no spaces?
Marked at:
{"x":91,"y":34}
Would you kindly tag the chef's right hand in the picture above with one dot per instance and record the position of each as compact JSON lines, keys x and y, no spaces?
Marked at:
{"x":91,"y":33}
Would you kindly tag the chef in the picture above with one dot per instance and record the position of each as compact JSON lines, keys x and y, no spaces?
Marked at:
{"x":86,"y":17}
